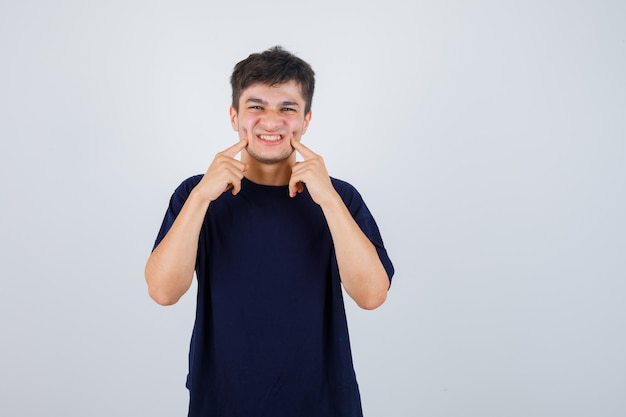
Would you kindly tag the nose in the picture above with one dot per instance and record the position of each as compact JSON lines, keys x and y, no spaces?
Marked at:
{"x":271,"y":121}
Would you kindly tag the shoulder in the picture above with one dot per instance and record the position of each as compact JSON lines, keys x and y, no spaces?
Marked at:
{"x":180,"y":194}
{"x":342,"y":186}
{"x":187,"y":185}
{"x":346,"y":190}
{"x":351,"y":197}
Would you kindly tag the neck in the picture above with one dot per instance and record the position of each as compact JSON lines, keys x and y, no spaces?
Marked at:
{"x":268,"y":174}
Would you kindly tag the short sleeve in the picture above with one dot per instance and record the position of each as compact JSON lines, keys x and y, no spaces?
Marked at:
{"x":177,"y":201}
{"x":363,"y":217}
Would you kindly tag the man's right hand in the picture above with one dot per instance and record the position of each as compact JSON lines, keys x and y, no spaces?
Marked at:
{"x":225,"y":173}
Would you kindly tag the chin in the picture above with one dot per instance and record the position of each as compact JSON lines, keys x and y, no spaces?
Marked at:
{"x":270,"y":159}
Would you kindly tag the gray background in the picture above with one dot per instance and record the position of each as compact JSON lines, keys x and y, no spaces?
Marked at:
{"x":487,"y":137}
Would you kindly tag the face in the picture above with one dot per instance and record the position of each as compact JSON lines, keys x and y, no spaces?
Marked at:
{"x":269,"y":117}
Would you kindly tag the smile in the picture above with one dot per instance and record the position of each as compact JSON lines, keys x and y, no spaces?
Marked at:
{"x":271,"y":138}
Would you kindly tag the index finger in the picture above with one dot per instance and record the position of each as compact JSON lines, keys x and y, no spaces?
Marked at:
{"x":303,"y":150}
{"x":236,"y":148}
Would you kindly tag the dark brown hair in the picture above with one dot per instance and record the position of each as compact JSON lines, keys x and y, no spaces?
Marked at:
{"x":273,"y":67}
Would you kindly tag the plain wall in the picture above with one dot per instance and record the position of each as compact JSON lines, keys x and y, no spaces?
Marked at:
{"x":488,"y":138}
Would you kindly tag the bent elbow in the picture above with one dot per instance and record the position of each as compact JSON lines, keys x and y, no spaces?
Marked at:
{"x":159,"y":293}
{"x":158,"y":288}
{"x":373,"y":301}
{"x":162,"y":298}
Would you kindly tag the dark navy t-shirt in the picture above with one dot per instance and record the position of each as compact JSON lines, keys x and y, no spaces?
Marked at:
{"x":270,"y":336}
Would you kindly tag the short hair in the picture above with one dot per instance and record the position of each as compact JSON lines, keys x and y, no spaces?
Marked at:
{"x":273,"y":67}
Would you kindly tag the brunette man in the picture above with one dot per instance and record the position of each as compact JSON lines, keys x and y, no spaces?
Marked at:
{"x":271,"y":241}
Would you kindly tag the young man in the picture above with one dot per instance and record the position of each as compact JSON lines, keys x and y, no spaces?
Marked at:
{"x":271,"y":241}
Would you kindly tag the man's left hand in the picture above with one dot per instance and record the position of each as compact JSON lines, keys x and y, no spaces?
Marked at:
{"x":312,"y":172}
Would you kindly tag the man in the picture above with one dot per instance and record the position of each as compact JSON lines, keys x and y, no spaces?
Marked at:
{"x":271,"y":241}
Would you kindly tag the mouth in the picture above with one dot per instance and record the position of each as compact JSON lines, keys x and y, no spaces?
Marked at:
{"x":270,"y":138}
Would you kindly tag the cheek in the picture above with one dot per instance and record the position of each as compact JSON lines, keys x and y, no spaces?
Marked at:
{"x":296,"y":126}
{"x":248,"y":123}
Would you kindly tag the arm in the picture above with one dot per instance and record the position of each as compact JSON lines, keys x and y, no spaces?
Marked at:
{"x":170,"y":267}
{"x":362,"y":273}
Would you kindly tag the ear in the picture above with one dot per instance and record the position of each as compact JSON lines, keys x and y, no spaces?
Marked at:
{"x":307,"y":120}
{"x":233,"y":119}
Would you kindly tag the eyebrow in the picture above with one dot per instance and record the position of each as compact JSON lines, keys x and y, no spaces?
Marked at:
{"x":261,"y":101}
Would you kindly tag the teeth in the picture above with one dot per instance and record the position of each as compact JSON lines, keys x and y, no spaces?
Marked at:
{"x":272,"y":138}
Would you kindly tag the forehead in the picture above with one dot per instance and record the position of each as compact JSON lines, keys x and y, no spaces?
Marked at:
{"x":289,"y":91}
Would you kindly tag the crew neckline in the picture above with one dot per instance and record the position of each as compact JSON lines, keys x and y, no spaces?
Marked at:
{"x":253,"y":186}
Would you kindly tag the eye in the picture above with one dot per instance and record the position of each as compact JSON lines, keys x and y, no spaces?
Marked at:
{"x":255,"y":108}
{"x":288,"y":109}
